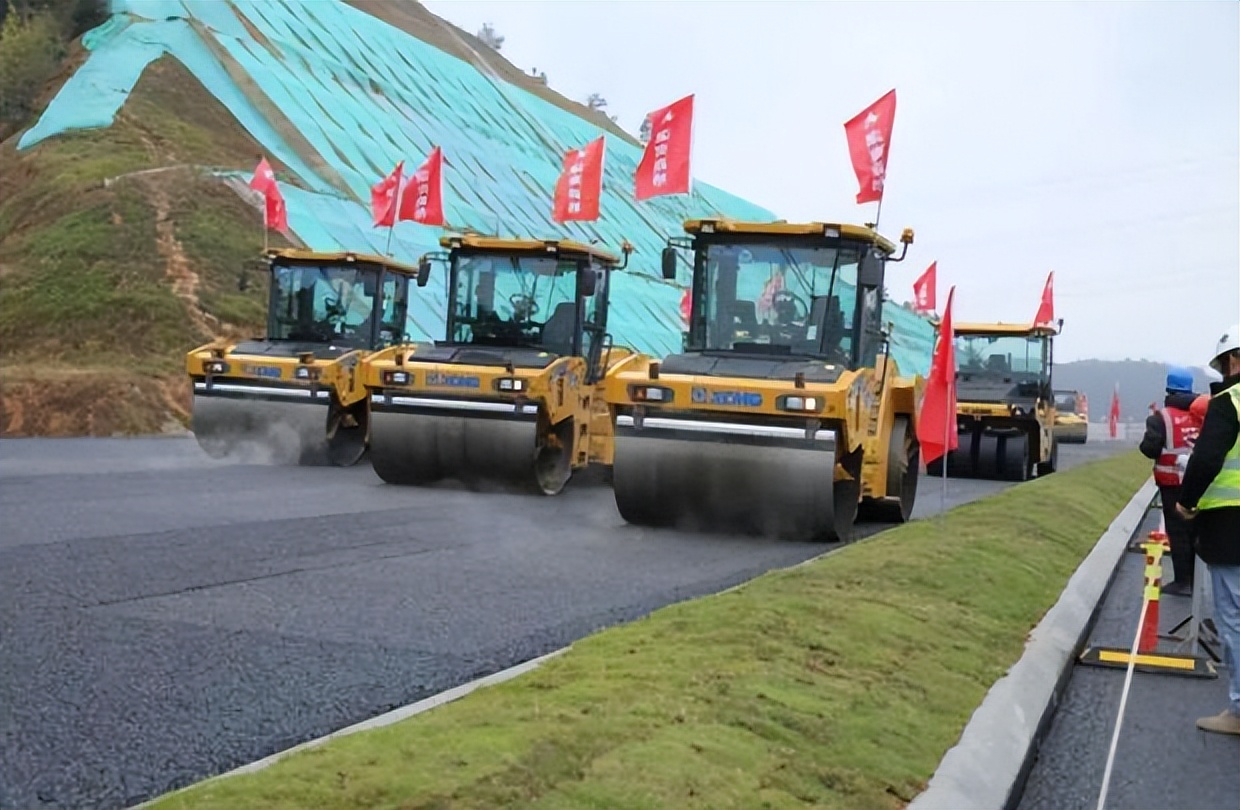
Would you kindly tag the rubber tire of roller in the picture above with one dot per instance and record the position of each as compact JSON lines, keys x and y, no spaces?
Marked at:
{"x":903,"y":462}
{"x":1050,"y":465}
{"x":1016,"y":465}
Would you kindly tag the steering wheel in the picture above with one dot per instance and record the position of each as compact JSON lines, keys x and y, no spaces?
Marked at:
{"x":523,"y":306}
{"x":785,"y":297}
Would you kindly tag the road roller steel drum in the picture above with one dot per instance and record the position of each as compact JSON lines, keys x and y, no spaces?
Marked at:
{"x":510,"y":399}
{"x":784,"y":416}
{"x":295,"y":396}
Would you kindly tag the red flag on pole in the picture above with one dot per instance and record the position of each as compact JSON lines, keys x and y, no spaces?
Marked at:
{"x":924,"y":287}
{"x":1046,"y":309}
{"x":936,"y":424}
{"x":1113,"y":416}
{"x":580,"y":186}
{"x":869,"y":138}
{"x":275,"y":212}
{"x":664,"y":167}
{"x":383,"y":197}
{"x":422,"y":199}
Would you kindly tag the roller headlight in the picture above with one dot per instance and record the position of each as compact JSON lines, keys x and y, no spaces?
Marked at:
{"x":800,"y":404}
{"x":514,"y":385}
{"x":215,"y":367}
{"x":306,"y":373}
{"x":650,"y":393}
{"x":396,"y":378}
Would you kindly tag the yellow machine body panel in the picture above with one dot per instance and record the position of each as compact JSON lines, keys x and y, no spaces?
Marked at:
{"x":508,"y":398}
{"x":784,"y":424}
{"x":295,"y":395}
{"x":1005,"y":409}
{"x":1071,"y":417}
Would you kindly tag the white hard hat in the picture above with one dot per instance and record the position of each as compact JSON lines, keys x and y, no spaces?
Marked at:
{"x":1228,"y":343}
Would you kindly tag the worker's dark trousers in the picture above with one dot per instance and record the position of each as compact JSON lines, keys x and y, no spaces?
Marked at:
{"x":1180,"y":532}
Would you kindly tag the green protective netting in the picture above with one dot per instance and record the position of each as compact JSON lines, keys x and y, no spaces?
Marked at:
{"x":339,"y":96}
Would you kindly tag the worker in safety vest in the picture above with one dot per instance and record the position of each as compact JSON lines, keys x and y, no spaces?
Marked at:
{"x":1210,"y":497}
{"x":1169,"y":435}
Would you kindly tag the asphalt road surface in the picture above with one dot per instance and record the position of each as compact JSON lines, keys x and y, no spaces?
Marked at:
{"x":165,"y":617}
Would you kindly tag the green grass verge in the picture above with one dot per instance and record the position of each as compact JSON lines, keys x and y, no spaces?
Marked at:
{"x":837,"y":684}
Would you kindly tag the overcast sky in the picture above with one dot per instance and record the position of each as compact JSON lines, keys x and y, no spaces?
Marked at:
{"x":1098,"y":140}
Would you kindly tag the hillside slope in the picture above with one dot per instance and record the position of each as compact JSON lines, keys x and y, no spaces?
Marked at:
{"x":106,"y":286}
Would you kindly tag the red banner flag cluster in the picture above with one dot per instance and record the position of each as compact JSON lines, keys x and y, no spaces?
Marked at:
{"x":1113,"y":415}
{"x":664,"y":166}
{"x":936,"y":423}
{"x":580,"y":186}
{"x":275,"y":212}
{"x":869,"y":139}
{"x":1046,"y":308}
{"x":924,"y":289}
{"x":417,"y":198}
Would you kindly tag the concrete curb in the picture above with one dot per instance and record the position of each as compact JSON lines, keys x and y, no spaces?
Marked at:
{"x":386,"y":719}
{"x":987,"y":768}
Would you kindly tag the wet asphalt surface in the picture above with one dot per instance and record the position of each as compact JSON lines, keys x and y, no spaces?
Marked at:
{"x":1162,"y":761}
{"x":165,"y":617}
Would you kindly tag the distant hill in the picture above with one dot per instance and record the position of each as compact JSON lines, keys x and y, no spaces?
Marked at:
{"x":1140,"y":383}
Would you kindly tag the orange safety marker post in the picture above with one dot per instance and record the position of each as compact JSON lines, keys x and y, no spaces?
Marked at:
{"x":1147,"y":658}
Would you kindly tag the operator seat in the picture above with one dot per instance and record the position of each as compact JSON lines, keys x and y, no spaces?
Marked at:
{"x":557,"y":332}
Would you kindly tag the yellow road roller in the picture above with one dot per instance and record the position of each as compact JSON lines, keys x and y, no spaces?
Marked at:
{"x":1005,"y":405}
{"x":510,"y":398}
{"x":294,"y":396}
{"x":784,"y":415}
{"x":1071,"y":417}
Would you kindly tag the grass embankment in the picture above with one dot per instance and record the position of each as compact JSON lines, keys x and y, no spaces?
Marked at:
{"x":838,"y":684}
{"x":104,"y":289}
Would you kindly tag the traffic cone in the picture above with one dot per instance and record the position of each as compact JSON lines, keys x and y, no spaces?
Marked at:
{"x":1153,"y":583}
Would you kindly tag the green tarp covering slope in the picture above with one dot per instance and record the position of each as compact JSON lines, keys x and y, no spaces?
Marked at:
{"x":339,"y":96}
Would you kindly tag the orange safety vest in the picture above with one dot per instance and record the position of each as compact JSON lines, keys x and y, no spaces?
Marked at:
{"x":1182,"y":428}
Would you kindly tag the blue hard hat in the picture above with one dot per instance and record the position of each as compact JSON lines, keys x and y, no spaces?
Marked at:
{"x":1179,"y":379}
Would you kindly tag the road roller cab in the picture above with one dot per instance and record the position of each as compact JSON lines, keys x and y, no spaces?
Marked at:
{"x":294,"y":396}
{"x":1005,"y":405}
{"x":784,"y":413}
{"x":1071,"y":417}
{"x":510,"y":397}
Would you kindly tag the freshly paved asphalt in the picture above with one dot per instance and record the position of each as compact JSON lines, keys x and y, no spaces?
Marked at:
{"x":165,"y":617}
{"x":1162,"y":761}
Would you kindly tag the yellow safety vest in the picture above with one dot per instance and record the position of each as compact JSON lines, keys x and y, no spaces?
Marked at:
{"x":1224,"y":490}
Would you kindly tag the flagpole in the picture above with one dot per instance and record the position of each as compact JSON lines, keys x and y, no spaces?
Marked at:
{"x":879,"y":213}
{"x":400,"y":183}
{"x":946,"y":433}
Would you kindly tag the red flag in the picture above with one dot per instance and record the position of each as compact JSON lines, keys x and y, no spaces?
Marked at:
{"x":1113,"y":416}
{"x":580,"y":186}
{"x":275,"y":213}
{"x":664,"y":167}
{"x":422,"y":199}
{"x":869,"y":138}
{"x":924,"y":287}
{"x":936,"y":424}
{"x":1046,"y":309}
{"x":383,"y":197}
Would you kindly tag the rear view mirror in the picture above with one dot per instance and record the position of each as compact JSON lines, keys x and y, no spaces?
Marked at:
{"x":587,"y":281}
{"x":870,"y":273}
{"x":424,"y":271}
{"x":669,"y":263}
